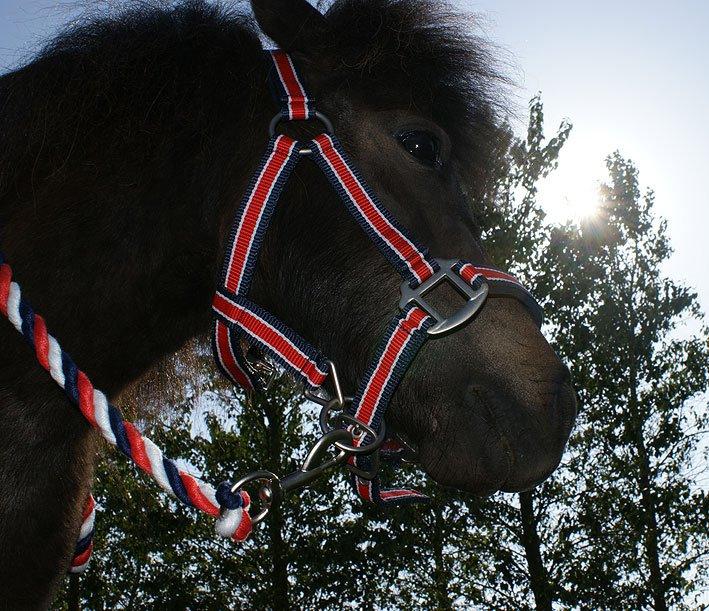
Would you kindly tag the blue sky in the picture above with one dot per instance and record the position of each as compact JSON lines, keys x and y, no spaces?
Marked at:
{"x":630,"y":75}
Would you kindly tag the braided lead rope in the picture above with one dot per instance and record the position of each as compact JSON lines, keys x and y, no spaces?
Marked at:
{"x":229,"y":508}
{"x":85,"y":543}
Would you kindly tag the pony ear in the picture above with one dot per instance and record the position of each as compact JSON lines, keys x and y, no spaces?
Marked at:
{"x":291,"y":24}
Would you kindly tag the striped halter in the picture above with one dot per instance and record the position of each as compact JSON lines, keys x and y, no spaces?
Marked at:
{"x":241,"y":325}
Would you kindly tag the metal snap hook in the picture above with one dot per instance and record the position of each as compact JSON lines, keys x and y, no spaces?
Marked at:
{"x":311,"y":395}
{"x":314,"y":466}
{"x":269,"y":494}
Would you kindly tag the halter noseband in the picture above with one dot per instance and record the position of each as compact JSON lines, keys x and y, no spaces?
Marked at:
{"x":240,"y":323}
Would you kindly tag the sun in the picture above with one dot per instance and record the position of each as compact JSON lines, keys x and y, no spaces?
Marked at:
{"x":570,"y":196}
{"x":581,"y":203}
{"x":571,"y":192}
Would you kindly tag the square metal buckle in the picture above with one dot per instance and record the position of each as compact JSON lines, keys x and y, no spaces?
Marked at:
{"x":475,"y":297}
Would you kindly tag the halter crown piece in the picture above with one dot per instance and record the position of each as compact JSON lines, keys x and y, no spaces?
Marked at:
{"x":354,"y":427}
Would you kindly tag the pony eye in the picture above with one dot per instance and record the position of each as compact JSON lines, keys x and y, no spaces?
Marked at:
{"x":422,"y":145}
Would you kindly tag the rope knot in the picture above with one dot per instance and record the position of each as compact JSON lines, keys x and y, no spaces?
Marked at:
{"x":235,"y":521}
{"x":228,"y":499}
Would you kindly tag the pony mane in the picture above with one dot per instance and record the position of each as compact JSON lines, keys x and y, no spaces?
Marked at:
{"x":129,"y":89}
{"x":140,"y":104}
{"x":422,"y":46}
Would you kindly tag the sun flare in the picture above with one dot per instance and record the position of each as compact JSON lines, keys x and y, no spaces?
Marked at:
{"x":570,"y":196}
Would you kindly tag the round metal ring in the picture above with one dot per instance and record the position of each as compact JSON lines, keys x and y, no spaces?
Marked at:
{"x":318,"y":115}
{"x":274,"y":486}
{"x":368,"y":430}
{"x":329,"y":406}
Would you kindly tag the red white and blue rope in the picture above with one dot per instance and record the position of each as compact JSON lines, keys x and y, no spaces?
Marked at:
{"x":230,"y":510}
{"x":85,"y":543}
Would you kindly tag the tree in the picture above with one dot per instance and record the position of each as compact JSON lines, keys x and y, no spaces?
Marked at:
{"x":150,"y":552}
{"x":638,"y":537}
{"x":642,"y":418}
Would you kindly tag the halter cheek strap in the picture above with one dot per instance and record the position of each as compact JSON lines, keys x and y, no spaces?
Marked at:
{"x":239,"y":321}
{"x":236,"y":315}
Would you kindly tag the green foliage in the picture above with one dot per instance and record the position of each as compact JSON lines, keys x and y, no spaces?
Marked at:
{"x":621,"y":524}
{"x":638,"y":527}
{"x":511,"y":218}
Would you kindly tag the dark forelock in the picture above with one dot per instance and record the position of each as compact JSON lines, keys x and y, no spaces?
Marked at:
{"x":424,"y":55}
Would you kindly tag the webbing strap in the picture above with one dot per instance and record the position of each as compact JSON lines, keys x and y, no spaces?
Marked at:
{"x":238,"y":318}
{"x":272,"y":336}
{"x":409,"y":259}
{"x":402,"y":341}
{"x":254,"y":213}
{"x":501,"y":284}
{"x":288,"y":89}
{"x":230,"y":358}
{"x":250,"y":223}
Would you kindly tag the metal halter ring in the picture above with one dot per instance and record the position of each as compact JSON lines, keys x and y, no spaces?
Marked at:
{"x":475,"y":297}
{"x":269,"y":494}
{"x":329,"y":129}
{"x":357,"y":428}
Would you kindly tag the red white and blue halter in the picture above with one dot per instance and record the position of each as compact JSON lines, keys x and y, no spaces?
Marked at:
{"x":237,"y":318}
{"x":358,"y":431}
